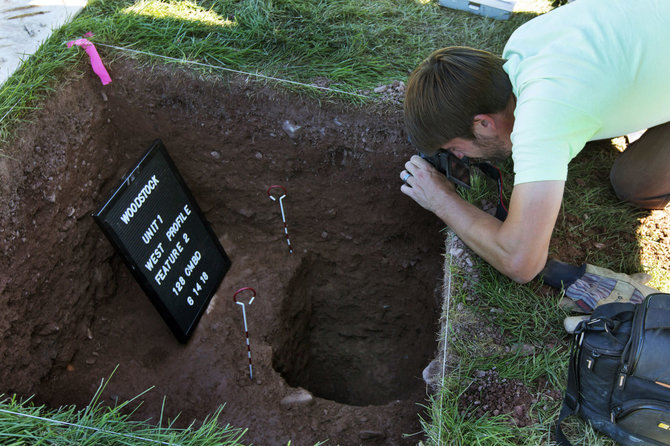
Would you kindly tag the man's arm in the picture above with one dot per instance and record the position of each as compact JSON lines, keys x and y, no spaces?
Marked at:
{"x":517,"y":247}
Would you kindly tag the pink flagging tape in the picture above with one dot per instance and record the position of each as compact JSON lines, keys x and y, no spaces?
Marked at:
{"x":96,"y":62}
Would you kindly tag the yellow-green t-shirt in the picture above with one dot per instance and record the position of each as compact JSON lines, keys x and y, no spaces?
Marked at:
{"x":592,"y":69}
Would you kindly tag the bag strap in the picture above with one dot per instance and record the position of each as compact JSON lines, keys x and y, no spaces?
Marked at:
{"x":571,"y":399}
{"x":494,"y":173}
{"x":613,"y":310}
{"x":561,"y":439}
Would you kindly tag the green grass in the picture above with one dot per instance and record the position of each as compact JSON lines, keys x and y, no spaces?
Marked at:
{"x":22,"y":423}
{"x":354,"y":45}
{"x":449,"y":426}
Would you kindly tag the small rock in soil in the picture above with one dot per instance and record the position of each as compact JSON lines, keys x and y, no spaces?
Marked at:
{"x":300,"y":398}
{"x":290,"y":128}
{"x":431,"y":374}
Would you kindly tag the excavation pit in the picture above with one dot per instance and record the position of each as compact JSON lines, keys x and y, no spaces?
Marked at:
{"x":349,"y":316}
{"x":347,"y":336}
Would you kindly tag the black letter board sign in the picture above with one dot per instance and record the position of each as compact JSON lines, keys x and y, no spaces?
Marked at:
{"x":155,"y":223}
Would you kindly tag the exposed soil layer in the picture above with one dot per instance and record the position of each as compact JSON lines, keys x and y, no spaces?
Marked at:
{"x":350,"y":316}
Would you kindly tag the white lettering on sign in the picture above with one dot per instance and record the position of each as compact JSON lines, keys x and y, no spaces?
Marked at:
{"x":178,"y":286}
{"x":178,"y":222}
{"x":138,"y":201}
{"x":162,"y":273}
{"x":196,"y":289}
{"x":155,"y":257}
{"x":151,"y":231}
{"x":195,"y":258}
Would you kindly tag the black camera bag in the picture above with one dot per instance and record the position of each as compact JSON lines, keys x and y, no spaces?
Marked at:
{"x":619,"y":373}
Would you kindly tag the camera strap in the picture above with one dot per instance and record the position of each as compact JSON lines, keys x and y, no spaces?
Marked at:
{"x":494,"y":173}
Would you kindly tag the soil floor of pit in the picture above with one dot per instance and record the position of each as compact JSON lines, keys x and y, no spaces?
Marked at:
{"x":72,"y":312}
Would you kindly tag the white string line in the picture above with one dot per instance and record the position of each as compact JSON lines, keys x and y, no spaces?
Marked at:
{"x":2,"y":154}
{"x":446,"y":327}
{"x":10,"y":110}
{"x":335,"y":90}
{"x":85,"y":427}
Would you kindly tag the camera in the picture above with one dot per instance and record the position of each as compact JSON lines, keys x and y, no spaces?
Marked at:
{"x":456,"y":169}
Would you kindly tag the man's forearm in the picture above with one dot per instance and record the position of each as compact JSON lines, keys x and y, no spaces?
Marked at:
{"x":518,"y":246}
{"x":484,"y":234}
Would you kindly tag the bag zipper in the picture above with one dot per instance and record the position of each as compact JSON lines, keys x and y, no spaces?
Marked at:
{"x":593,"y":354}
{"x":633,"y":348}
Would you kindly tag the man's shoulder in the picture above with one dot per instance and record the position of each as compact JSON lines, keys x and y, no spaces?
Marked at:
{"x":591,"y":22}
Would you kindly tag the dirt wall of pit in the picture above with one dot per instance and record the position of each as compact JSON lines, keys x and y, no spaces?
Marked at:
{"x":54,"y":266}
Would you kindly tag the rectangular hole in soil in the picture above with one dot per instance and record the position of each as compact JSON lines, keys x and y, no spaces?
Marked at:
{"x":350,"y":315}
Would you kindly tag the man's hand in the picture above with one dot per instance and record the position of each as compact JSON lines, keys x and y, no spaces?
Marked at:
{"x":425,"y":185}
